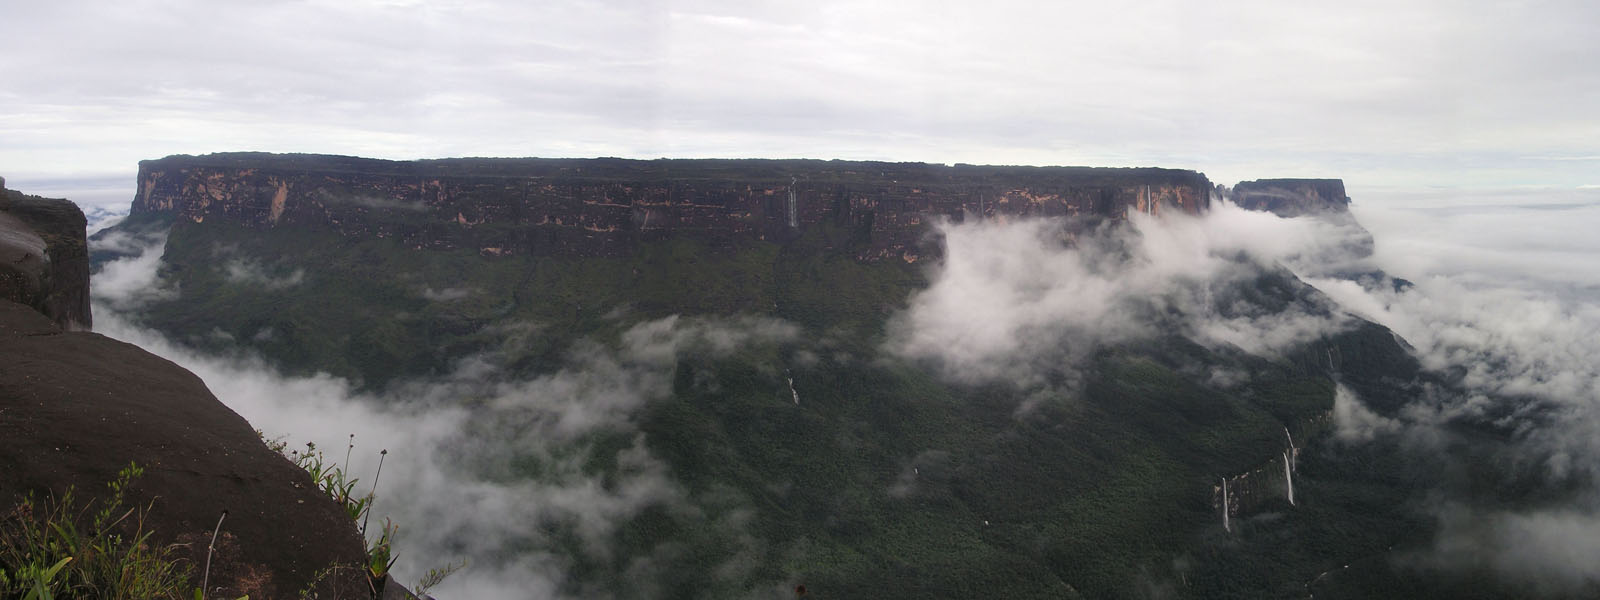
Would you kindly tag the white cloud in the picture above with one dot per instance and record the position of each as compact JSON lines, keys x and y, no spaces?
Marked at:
{"x":448,"y":294}
{"x":1354,"y":422}
{"x":1506,"y":307}
{"x":1515,"y":332}
{"x":129,"y":282}
{"x":1539,"y":238}
{"x":249,"y":272}
{"x":1548,"y":551}
{"x":1013,"y":296}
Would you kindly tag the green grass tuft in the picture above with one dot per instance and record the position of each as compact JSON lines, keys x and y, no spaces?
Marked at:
{"x":56,"y":548}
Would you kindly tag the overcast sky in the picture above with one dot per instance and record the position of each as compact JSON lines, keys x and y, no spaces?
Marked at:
{"x":1388,"y":95}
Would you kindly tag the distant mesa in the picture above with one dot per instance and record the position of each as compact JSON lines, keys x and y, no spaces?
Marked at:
{"x":1292,"y":197}
{"x":607,"y":206}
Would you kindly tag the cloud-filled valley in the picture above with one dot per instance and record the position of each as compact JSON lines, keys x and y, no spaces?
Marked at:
{"x":1517,"y":348}
{"x":453,"y":442}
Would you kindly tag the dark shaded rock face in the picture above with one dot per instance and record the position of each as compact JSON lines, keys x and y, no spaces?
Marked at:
{"x":604,"y":207}
{"x":44,"y":258}
{"x":1292,"y":197}
{"x":75,"y":407}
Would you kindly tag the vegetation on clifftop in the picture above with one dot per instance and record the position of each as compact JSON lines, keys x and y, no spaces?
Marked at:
{"x":59,"y":548}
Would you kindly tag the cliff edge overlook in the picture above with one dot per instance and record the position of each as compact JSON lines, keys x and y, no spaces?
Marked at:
{"x":76,"y":407}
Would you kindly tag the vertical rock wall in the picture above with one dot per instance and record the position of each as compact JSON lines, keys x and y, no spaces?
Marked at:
{"x":44,"y":257}
{"x":604,"y":207}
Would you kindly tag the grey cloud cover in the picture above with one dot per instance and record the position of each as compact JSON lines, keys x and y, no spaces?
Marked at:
{"x":1505,"y":305}
{"x":1421,"y":93}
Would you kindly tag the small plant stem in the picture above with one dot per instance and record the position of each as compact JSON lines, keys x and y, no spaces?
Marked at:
{"x":347,"y":449}
{"x":373,"y":494}
{"x":205,"y":580}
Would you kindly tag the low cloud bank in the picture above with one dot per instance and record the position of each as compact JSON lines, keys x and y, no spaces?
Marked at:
{"x":128,"y":283}
{"x":251,"y":273}
{"x":1506,"y":306}
{"x":1526,"y":361}
{"x":1013,"y":296}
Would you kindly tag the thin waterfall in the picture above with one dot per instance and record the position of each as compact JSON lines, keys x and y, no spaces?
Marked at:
{"x":1288,"y":478}
{"x":1294,"y":453}
{"x":792,"y":391}
{"x":1225,"y":525}
{"x":794,"y":216}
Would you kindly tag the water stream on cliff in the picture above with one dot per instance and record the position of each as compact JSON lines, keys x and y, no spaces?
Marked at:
{"x":794,"y":216}
{"x":1288,"y":478}
{"x":1225,"y":526}
{"x":1288,"y":464}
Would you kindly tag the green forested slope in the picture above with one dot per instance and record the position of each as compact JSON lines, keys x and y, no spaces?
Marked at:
{"x":886,"y":479}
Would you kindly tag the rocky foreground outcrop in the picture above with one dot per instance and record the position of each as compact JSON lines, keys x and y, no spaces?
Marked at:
{"x":603,"y":206}
{"x":44,"y":262}
{"x":76,"y":407}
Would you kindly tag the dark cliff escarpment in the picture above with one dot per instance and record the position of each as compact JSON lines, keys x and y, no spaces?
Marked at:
{"x":604,"y":207}
{"x":44,"y":258}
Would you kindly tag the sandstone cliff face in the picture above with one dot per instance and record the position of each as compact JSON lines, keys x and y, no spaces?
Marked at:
{"x":44,"y":258}
{"x":1270,"y":482}
{"x":603,"y":207}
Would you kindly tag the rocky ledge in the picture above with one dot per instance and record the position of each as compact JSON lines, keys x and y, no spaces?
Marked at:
{"x":44,"y":261}
{"x":76,"y":407}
